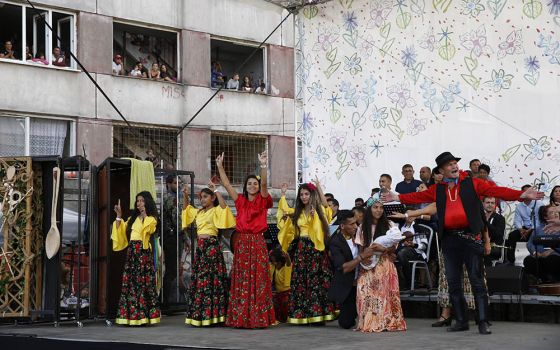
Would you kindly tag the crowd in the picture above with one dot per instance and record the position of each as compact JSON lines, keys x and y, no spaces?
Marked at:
{"x":58,"y":58}
{"x":247,"y":85}
{"x":332,"y":264}
{"x":157,"y":71}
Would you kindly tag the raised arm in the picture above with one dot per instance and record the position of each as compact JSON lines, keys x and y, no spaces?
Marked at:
{"x":223,"y":177}
{"x":263,"y":160}
{"x":320,"y":191}
{"x":428,"y":210}
{"x":212,"y":186}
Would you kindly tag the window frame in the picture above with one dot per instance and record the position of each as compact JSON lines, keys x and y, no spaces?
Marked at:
{"x":48,"y":36}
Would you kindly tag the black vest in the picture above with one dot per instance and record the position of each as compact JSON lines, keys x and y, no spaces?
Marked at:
{"x":471,"y":204}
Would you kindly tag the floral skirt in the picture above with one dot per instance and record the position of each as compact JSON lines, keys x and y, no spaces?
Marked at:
{"x":443,"y":289}
{"x":208,"y":291}
{"x":250,"y":304}
{"x":378,"y":299}
{"x":311,"y":279}
{"x":138,"y":303}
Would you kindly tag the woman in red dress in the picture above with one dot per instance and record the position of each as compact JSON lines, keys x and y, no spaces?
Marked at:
{"x":250,"y":304}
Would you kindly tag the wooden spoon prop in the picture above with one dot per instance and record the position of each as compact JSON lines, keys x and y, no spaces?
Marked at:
{"x":52,"y":243}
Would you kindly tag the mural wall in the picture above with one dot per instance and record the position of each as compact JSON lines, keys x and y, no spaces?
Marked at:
{"x":382,"y":83}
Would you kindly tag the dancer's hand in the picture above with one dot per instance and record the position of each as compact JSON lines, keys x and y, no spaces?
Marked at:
{"x":118,"y":210}
{"x":263,"y":158}
{"x":186,"y":198}
{"x":532,"y":193}
{"x":220,"y":160}
{"x":388,"y":196}
{"x":316,"y":181}
{"x":212,"y":186}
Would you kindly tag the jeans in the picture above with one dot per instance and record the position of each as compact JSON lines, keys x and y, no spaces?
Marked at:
{"x":458,"y":251}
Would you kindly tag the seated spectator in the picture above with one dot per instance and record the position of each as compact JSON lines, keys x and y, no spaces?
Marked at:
{"x":334,"y":205}
{"x":359,"y":213}
{"x":484,"y":173}
{"x":329,"y":195}
{"x":217,"y":75}
{"x":155,"y":72}
{"x":28,"y":54}
{"x":414,"y":247}
{"x":473,"y":166}
{"x":496,"y":225}
{"x":144,"y":70}
{"x":40,"y":58}
{"x":359,"y":202}
{"x":523,"y":223}
{"x":409,"y":184}
{"x":261,"y":89}
{"x":246,"y":85}
{"x":58,"y":58}
{"x":548,"y":259}
{"x":8,"y":51}
{"x":436,"y":177}
{"x":117,"y":65}
{"x":152,"y":157}
{"x":555,"y":196}
{"x":233,"y":83}
{"x":425,"y":174}
{"x":136,"y":72}
{"x":164,"y":74}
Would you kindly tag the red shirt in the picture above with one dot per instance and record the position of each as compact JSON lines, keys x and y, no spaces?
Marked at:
{"x":251,"y":215}
{"x":455,"y":216}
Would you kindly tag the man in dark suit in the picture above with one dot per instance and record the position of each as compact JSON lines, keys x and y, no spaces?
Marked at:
{"x":496,"y":224}
{"x":346,"y":258}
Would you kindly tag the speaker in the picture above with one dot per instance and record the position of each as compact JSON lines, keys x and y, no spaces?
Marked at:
{"x":506,"y":279}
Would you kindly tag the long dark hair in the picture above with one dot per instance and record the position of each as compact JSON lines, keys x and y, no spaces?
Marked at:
{"x":245,"y":193}
{"x":315,"y":201}
{"x":552,"y":198}
{"x":151,"y":209}
{"x":208,"y":191}
{"x":381,"y":227}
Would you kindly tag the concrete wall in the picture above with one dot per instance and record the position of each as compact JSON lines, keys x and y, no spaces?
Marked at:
{"x":97,"y":138}
{"x":97,"y":55}
{"x":282,"y":161}
{"x":281,"y":71}
{"x":195,"y":155}
{"x":195,"y":58}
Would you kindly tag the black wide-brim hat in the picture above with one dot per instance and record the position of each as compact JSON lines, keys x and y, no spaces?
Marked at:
{"x":444,"y":158}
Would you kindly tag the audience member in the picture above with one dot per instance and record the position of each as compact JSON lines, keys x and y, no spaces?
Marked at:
{"x":151,"y":156}
{"x":484,"y":173}
{"x":523,"y":224}
{"x":548,"y":259}
{"x":385,"y":182}
{"x":414,"y":247}
{"x":246,"y":85}
{"x":233,"y":83}
{"x":359,"y":213}
{"x":425,"y":174}
{"x":155,"y":72}
{"x":136,"y":72}
{"x":334,"y":205}
{"x":496,"y":224}
{"x":329,"y":195}
{"x":144,"y":70}
{"x":555,"y":196}
{"x":359,"y":202}
{"x":28,"y":54}
{"x":374,"y":191}
{"x":473,"y":166}
{"x":58,"y":58}
{"x":164,"y":74}
{"x":261,"y":89}
{"x":118,"y":68}
{"x":217,"y":75}
{"x":40,"y":58}
{"x":436,"y":177}
{"x":8,"y":51}
{"x":409,"y":184}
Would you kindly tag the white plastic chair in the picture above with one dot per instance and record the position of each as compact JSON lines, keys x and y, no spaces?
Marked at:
{"x":421,"y":264}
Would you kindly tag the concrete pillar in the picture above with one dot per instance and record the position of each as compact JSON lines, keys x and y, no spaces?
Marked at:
{"x":281,"y":153}
{"x":95,"y":42}
{"x":281,"y":71}
{"x":195,"y":58}
{"x":195,"y":153}
{"x":97,"y":138}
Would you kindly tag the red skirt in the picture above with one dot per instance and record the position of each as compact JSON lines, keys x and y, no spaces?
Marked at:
{"x":250,"y":304}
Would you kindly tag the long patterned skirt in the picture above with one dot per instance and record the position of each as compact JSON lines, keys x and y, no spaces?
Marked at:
{"x":311,"y":279}
{"x":378,"y":299}
{"x":443,"y":289}
{"x":208,"y":291}
{"x":138,"y":303}
{"x":250,"y":304}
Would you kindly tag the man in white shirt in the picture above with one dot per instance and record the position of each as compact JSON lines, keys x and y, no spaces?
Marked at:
{"x":117,"y":65}
{"x":233,"y":83}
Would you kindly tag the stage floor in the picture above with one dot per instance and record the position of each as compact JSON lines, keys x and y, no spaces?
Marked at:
{"x":420,"y":335}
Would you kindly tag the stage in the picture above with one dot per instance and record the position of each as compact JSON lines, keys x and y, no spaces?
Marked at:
{"x":173,"y":333}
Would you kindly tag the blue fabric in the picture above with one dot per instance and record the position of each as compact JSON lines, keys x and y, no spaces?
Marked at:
{"x":539,"y":232}
{"x":522,"y":216}
{"x":404,"y":188}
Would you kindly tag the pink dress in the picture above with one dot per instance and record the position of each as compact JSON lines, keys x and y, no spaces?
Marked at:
{"x":378,"y":297}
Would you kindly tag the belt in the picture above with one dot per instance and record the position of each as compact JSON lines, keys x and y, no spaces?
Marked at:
{"x":465,"y":234}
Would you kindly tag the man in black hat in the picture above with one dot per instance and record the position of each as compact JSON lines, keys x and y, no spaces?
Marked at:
{"x":460,"y":225}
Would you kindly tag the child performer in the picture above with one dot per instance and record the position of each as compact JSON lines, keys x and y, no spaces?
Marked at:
{"x":280,"y":273}
{"x":138,"y":302}
{"x":250,"y":304}
{"x":208,"y":291}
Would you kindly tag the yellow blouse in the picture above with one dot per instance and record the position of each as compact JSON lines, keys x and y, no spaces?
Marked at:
{"x":141,"y":231}
{"x":208,"y":222}
{"x":309,"y":226}
{"x":281,"y":277}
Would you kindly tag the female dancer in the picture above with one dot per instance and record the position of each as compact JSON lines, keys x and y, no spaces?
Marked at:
{"x":378,"y":298}
{"x":306,"y":235}
{"x":138,"y":302}
{"x":250,"y":303}
{"x":208,"y":291}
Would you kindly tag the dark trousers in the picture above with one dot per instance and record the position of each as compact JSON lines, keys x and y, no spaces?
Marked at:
{"x":405,"y":255}
{"x":348,"y":312}
{"x":511,"y":242}
{"x":170,"y":254}
{"x":495,"y":254}
{"x":548,"y":269}
{"x":458,"y":251}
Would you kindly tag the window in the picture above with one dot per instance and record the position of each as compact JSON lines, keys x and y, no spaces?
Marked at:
{"x":138,"y":141}
{"x":23,"y":31}
{"x":240,"y":154}
{"x":227,"y":56}
{"x":27,"y":136}
{"x":143,"y":51}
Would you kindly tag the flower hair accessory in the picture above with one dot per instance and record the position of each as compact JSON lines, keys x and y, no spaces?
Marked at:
{"x":311,"y":187}
{"x":258,"y":177}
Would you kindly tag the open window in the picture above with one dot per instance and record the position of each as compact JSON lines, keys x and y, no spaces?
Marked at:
{"x":26,"y":37}
{"x":227,"y":56}
{"x":143,"y":51}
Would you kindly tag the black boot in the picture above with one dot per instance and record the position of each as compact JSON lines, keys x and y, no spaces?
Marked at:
{"x":482,"y":308}
{"x":460,"y":310}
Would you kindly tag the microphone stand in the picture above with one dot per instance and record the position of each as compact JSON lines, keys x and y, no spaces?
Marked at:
{"x":534,"y":222}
